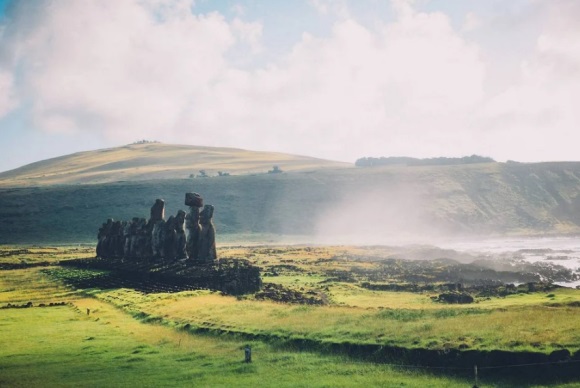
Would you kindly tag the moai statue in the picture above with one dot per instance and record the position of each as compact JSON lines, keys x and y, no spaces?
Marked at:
{"x":169,"y":239}
{"x":126,"y":238}
{"x":115,"y":238}
{"x":157,"y":211}
{"x":133,"y":237}
{"x":195,"y":202}
{"x":141,"y":239}
{"x":207,"y":251}
{"x":158,"y":239}
{"x":103,"y":237}
{"x":180,"y":240}
{"x":155,"y":229}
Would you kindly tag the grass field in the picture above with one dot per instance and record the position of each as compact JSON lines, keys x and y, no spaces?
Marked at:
{"x":65,"y":346}
{"x":62,"y":346}
{"x":136,"y":339}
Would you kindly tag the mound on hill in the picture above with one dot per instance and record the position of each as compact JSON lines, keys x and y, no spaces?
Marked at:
{"x":137,"y":162}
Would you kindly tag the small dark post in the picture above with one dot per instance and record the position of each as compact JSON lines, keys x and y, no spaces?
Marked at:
{"x":88,"y":311}
{"x":248,"y":353}
{"x":476,"y":382}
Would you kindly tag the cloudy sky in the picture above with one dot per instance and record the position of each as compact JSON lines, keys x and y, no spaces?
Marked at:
{"x":332,"y":79}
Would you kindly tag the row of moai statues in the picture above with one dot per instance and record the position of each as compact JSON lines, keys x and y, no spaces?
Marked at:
{"x":185,"y":235}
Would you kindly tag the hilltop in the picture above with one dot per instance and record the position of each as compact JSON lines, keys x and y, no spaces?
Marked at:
{"x":137,"y":162}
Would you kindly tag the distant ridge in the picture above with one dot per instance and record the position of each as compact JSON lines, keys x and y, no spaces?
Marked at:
{"x":408,"y":161}
{"x":145,"y":161}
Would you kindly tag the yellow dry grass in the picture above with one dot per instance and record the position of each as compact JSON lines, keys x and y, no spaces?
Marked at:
{"x":517,"y":323}
{"x":154,"y":161}
{"x":31,"y":285}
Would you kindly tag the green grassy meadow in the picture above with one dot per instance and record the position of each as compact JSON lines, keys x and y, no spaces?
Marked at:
{"x":64,"y":346}
{"x":129,"y":338}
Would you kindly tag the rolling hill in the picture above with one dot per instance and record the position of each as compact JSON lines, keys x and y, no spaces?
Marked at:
{"x":154,"y":161}
{"x":314,"y":201}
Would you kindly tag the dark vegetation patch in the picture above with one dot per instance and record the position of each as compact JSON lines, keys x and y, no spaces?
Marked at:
{"x":440,"y":271}
{"x":452,"y":291}
{"x":279,"y":293}
{"x":104,"y":280}
{"x":230,"y":276}
{"x":455,"y":298}
{"x":11,"y":266}
{"x":341,"y":276}
{"x":282,"y":269}
{"x":30,"y":304}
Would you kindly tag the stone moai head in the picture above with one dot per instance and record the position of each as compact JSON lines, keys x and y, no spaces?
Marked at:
{"x":180,"y":217}
{"x":193,"y":199}
{"x":158,"y":210}
{"x":116,"y":228}
{"x":170,"y":223}
{"x":206,"y":214}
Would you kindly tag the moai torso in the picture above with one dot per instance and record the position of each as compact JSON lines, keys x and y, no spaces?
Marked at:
{"x":169,"y":239}
{"x":133,"y":237}
{"x":103,"y":237}
{"x":141,"y":239}
{"x":180,"y":239}
{"x":194,"y":201}
{"x":155,"y":229}
{"x":207,"y":249}
{"x":115,"y":244}
{"x":157,"y":211}
{"x":126,"y":241}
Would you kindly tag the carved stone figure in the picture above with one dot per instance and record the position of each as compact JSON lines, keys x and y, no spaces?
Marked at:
{"x":132,"y":237}
{"x":195,"y":202}
{"x":115,"y":246}
{"x":128,"y":245}
{"x":193,"y":199}
{"x":142,"y":239}
{"x":206,"y":245}
{"x":157,"y":211}
{"x":158,"y":239}
{"x":126,"y":241}
{"x":169,"y":237}
{"x":103,"y":236}
{"x":180,"y":239}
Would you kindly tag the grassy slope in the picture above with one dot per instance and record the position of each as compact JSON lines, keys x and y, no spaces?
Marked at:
{"x":374,"y":203}
{"x":108,"y":348}
{"x":153,"y":161}
{"x":63,"y":347}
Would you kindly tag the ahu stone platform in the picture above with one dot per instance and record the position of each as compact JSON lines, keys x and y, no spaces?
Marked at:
{"x":179,"y":252}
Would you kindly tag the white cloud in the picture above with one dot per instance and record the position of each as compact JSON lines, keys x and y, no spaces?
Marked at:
{"x":412,"y":86}
{"x":357,"y":91}
{"x":7,"y":98}
{"x":158,"y":71}
{"x":331,"y":7}
{"x":248,"y":33}
{"x":120,"y":67}
{"x":539,"y":113}
{"x":471,"y":22}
